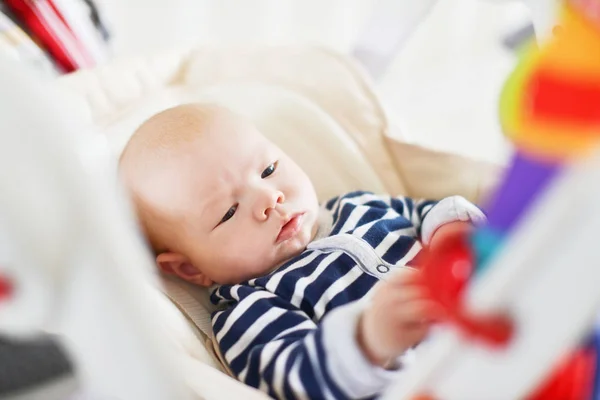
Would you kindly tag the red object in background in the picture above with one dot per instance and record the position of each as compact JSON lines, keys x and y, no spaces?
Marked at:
{"x":446,"y":271}
{"x":565,"y":99}
{"x":6,"y":288}
{"x":51,"y":30}
{"x":572,"y":380}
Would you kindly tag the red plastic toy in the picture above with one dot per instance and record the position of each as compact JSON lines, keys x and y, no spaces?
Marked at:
{"x":446,"y":271}
{"x":6,"y":288}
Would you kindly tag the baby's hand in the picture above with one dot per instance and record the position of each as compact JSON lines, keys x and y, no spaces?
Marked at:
{"x":397,"y":319}
{"x":450,"y":229}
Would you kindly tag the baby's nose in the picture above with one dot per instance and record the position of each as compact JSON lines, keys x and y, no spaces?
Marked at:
{"x":269,"y":202}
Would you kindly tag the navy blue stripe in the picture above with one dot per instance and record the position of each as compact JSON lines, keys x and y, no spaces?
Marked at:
{"x":287,"y":284}
{"x":311,"y":382}
{"x":398,"y":205}
{"x":399,"y":249}
{"x":422,"y":214}
{"x":329,"y":204}
{"x":219,"y":321}
{"x":423,"y":204}
{"x":317,"y":288}
{"x":346,"y":201}
{"x":409,"y":205}
{"x":376,"y":203}
{"x":380,"y":230}
{"x":261,"y":283}
{"x":355,"y":291}
{"x":269,"y":372}
{"x":253,"y":373}
{"x":346,"y":210}
{"x":222,"y":295}
{"x":371,"y":215}
{"x":593,"y":346}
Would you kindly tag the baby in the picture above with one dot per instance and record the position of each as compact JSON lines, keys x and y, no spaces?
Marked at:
{"x":317,"y":301}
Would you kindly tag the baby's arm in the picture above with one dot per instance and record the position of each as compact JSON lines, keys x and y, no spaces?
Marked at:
{"x":397,"y":319}
{"x":273,"y":345}
{"x":428,"y":216}
{"x":425,"y":216}
{"x":401,"y":309}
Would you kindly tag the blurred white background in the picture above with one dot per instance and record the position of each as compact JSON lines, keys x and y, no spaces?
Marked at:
{"x":441,"y":89}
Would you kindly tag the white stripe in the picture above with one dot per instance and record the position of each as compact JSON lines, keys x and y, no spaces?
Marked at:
{"x":358,"y":200}
{"x":242,"y":375}
{"x":296,"y":381}
{"x":264,"y":386}
{"x":240,"y":309}
{"x":353,"y":219}
{"x":415,"y":218}
{"x":314,"y":361}
{"x":303,"y":282}
{"x":273,"y":282}
{"x":308,"y":324}
{"x":393,"y":237}
{"x":234,"y":294}
{"x":266,"y":355}
{"x":217,"y":293}
{"x":362,"y":199}
{"x":279,"y":372}
{"x":346,"y":364}
{"x":333,"y":290}
{"x":252,"y":331}
{"x":410,"y":254}
{"x":335,"y":205}
{"x":387,"y":199}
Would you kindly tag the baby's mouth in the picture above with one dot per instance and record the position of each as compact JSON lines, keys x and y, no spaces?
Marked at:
{"x":290,"y":228}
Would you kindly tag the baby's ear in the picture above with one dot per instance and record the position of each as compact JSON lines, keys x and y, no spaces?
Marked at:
{"x":178,"y":264}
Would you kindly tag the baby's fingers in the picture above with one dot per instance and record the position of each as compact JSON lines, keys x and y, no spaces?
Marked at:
{"x":417,"y":311}
{"x":405,"y":276}
{"x":406,"y":294}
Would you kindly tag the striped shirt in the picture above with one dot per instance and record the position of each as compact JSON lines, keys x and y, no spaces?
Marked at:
{"x":291,"y":333}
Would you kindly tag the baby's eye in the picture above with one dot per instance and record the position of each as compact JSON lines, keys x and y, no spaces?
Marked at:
{"x":269,"y":170}
{"x":229,"y":214}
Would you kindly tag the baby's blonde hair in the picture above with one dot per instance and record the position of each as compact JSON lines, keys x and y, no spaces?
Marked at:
{"x":156,"y":142}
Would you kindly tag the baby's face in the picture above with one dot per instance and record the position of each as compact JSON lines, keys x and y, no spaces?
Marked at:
{"x":249,"y":206}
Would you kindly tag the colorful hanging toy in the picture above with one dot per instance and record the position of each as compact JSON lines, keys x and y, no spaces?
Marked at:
{"x":550,"y":109}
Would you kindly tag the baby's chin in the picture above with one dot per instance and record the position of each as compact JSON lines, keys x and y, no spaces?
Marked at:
{"x":286,"y":251}
{"x":294,"y":249}
{"x":289,"y":249}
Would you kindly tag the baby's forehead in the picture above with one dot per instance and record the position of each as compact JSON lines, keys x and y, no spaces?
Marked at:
{"x":192,"y":136}
{"x":234,"y":133}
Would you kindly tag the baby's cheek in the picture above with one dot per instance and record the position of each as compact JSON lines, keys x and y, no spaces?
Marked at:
{"x":251,"y":246}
